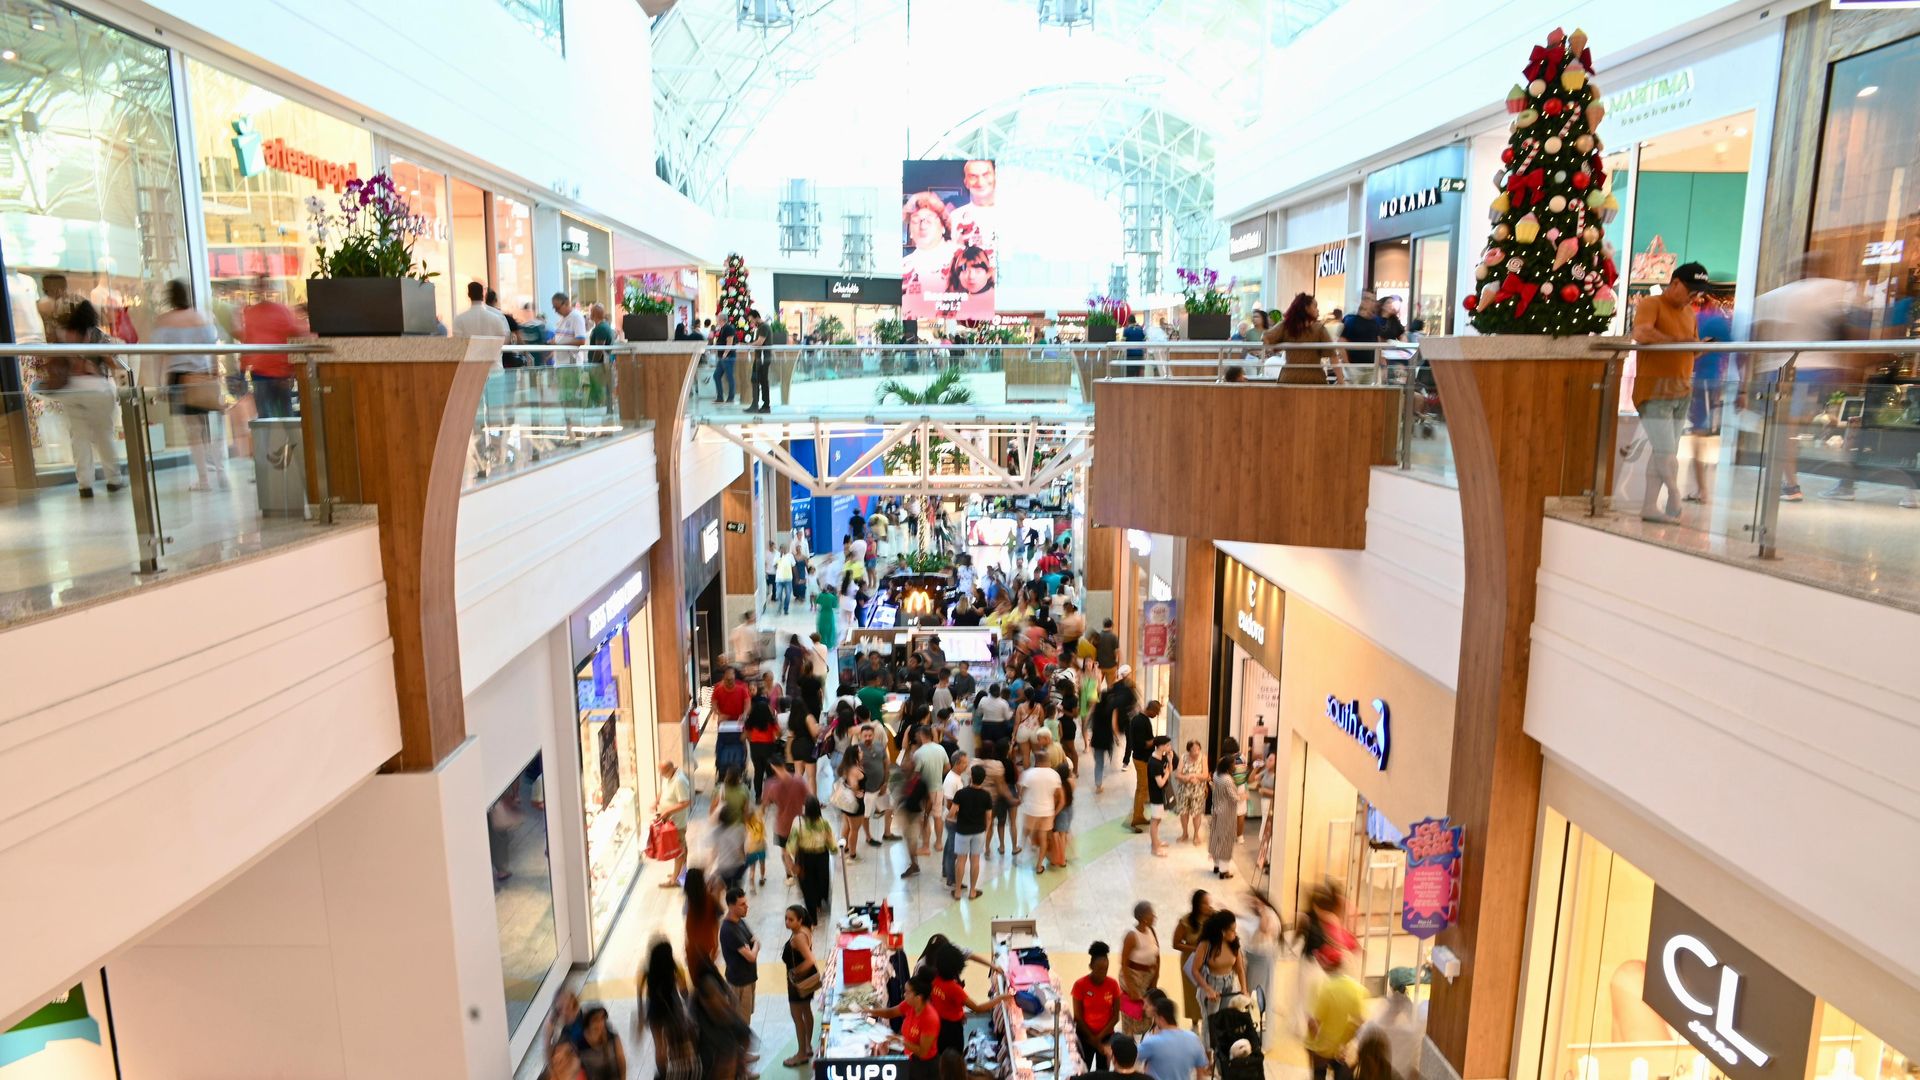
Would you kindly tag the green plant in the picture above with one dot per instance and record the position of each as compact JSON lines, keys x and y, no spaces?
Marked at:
{"x":642,"y":296}
{"x":831,"y":330}
{"x":889,"y":331}
{"x":377,"y":230}
{"x":1107,"y":311}
{"x":927,"y":562}
{"x":1203,"y":292}
{"x":950,"y":387}
{"x":776,"y":327}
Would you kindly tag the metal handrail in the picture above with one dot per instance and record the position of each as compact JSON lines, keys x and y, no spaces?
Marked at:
{"x":1864,"y":345}
{"x":37,"y":348}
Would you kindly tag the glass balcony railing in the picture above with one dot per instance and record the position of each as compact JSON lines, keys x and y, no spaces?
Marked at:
{"x":113,"y":472}
{"x":569,"y":401}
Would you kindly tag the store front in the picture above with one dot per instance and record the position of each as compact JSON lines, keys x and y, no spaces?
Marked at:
{"x":95,"y":210}
{"x":1246,"y":266}
{"x":1626,"y":982}
{"x":1412,"y":233}
{"x":705,"y":597}
{"x":586,"y":260}
{"x":613,"y":692}
{"x":1145,"y":587}
{"x":1364,"y":745}
{"x":806,"y":303}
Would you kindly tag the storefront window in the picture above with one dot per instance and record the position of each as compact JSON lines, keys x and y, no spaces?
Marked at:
{"x":616,"y":764}
{"x":1432,"y":267}
{"x":513,"y":257}
{"x":1848,"y":1051}
{"x":470,"y":261}
{"x":1863,"y":195}
{"x":522,"y":888}
{"x":587,"y":252}
{"x":425,"y":189}
{"x":260,"y":157}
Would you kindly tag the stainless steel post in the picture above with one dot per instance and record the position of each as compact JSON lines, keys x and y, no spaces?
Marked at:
{"x":1603,"y":434}
{"x":146,"y":497}
{"x":317,"y":411}
{"x":1407,"y":387}
{"x":1779,"y":404}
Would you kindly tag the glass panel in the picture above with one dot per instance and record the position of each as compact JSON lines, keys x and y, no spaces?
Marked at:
{"x":91,"y":207}
{"x":614,"y":764}
{"x":522,"y":888}
{"x":513,"y":258}
{"x":425,"y":190}
{"x":1433,"y":265}
{"x":1864,"y":193}
{"x":531,"y":415}
{"x":1847,"y":1051}
{"x":470,"y":258}
{"x":261,"y":157}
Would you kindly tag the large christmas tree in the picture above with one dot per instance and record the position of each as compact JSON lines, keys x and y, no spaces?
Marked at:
{"x":735,"y":298}
{"x":1547,"y":268}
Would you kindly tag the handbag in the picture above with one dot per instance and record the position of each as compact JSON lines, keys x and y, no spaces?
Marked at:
{"x":844,"y":799}
{"x":807,"y":983}
{"x":200,"y":390}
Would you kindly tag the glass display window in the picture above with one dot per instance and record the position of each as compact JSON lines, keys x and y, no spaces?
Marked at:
{"x":1863,"y":220}
{"x":513,"y":258}
{"x":426,"y":190}
{"x":617,"y":762}
{"x":522,"y":888}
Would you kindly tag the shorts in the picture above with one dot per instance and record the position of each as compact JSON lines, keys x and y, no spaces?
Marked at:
{"x":1155,"y":810}
{"x":964,"y":845}
{"x":1040,"y":823}
{"x":756,"y":856}
{"x":1063,"y":821}
{"x":877,"y":802}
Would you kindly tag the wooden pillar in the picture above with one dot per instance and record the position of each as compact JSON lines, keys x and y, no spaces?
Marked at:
{"x":1103,"y":550}
{"x":1522,"y":412}
{"x":664,"y":375}
{"x":398,"y":415}
{"x":1192,"y":687}
{"x":782,"y":501}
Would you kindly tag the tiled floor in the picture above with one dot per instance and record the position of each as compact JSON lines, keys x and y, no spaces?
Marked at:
{"x":1092,"y":899}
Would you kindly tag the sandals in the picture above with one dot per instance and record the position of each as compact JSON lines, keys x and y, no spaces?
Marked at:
{"x":797,"y":1060}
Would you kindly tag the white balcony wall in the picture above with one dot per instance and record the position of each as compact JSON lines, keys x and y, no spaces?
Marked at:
{"x":1326,"y":119}
{"x":155,"y":745}
{"x":467,"y":81}
{"x":1770,"y":726}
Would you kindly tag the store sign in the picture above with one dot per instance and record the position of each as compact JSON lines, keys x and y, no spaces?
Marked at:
{"x":1406,"y":204}
{"x":1655,"y":97}
{"x":1331,"y":262}
{"x":1248,"y":622}
{"x":859,"y":1069}
{"x":1885,"y":253}
{"x":605,"y":613}
{"x":1247,"y":238}
{"x":845,"y":289}
{"x":1430,"y":896}
{"x":1157,"y":622}
{"x":1251,"y":608}
{"x":1376,"y":740}
{"x":253,"y":156}
{"x":1748,"y":1019}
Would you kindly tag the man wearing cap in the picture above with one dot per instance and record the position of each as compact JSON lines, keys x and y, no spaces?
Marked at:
{"x":1139,"y":747}
{"x":1662,"y":385}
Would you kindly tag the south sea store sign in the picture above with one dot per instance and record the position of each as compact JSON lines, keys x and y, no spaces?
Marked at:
{"x":1749,"y":1020}
{"x":1430,"y":896}
{"x":1377,"y":740}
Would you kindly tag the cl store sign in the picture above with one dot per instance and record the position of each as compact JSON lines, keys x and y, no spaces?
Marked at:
{"x":1721,"y":997}
{"x":1725,"y":1039}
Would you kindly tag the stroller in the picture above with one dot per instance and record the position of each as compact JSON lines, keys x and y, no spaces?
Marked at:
{"x":1237,"y":1023}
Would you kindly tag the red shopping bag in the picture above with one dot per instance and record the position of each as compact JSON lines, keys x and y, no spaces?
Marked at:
{"x":663,"y":841}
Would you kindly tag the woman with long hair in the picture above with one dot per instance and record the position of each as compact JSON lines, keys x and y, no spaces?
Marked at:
{"x":803,"y":981}
{"x":811,"y":845}
{"x":664,"y":1015}
{"x":1186,"y":938}
{"x":1218,"y":966}
{"x":1301,"y":325}
{"x":1221,"y":834}
{"x":193,"y":383}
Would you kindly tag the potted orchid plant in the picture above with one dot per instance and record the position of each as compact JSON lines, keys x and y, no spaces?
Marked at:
{"x":1209,"y":304}
{"x":1105,"y":315}
{"x":647,"y":309}
{"x":365,"y":281}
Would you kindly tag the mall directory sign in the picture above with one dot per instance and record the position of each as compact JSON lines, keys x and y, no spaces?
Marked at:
{"x":1751,"y":1022}
{"x":1430,"y":895}
{"x":950,"y":228}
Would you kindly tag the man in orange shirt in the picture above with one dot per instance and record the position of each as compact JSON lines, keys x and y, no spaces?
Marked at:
{"x":1662,"y":385}
{"x":267,"y":321}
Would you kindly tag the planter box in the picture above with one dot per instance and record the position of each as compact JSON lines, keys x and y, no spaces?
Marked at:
{"x":645,"y":327}
{"x":370,"y":307}
{"x":1100,"y":335}
{"x":1217,"y":326}
{"x":777,"y":335}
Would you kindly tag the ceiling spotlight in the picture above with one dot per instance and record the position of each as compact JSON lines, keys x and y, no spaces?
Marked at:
{"x":1066,"y":13}
{"x":1867,"y":91}
{"x":38,"y":25}
{"x":9,"y":55}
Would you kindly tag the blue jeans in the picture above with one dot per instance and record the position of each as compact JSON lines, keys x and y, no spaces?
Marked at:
{"x":273,"y":396}
{"x":783,"y":593}
{"x":723,"y":369}
{"x":948,"y":860}
{"x":1100,"y":765}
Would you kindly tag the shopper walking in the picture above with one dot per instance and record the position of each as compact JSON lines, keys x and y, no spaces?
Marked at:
{"x":1186,"y":938}
{"x":811,"y":845}
{"x":702,"y":929}
{"x":761,"y":365}
{"x":1041,"y":797}
{"x":740,"y":951}
{"x":787,"y":793}
{"x":601,"y":1055}
{"x":850,"y":799}
{"x":1334,"y":1015}
{"x":665,"y":1014}
{"x":724,"y":1035}
{"x":731,"y":699}
{"x":1170,"y":1053}
{"x":86,"y":389}
{"x":671,"y":803}
{"x":762,"y":730}
{"x":1662,"y":385}
{"x":1301,"y":325}
{"x":1220,"y":825}
{"x":1106,"y":652}
{"x":479,"y":319}
{"x":803,"y":980}
{"x":1815,"y":306}
{"x":726,"y":337}
{"x":1218,"y":966}
{"x":193,"y":384}
{"x":267,"y":321}
{"x":967,"y":816}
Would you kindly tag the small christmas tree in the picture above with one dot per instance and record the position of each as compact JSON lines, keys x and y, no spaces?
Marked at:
{"x":735,"y":298}
{"x":1546,"y":268}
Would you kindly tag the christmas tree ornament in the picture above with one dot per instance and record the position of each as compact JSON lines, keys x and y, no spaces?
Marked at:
{"x":1553,"y":107}
{"x":1526,"y":118}
{"x":1596,"y":112}
{"x":1516,"y":99}
{"x":1604,"y":301}
{"x":1501,"y":232}
{"x":1564,"y":254}
{"x":1494,"y":255}
{"x":1573,"y":78}
{"x":1526,"y":229}
{"x":1596,"y":199}
{"x":1559,"y":176}
{"x":1577,"y":42}
{"x":1555,"y":37}
{"x":1552,"y":145}
{"x":1557,"y":204}
{"x":1581,"y":180}
{"x":1480,"y":273}
{"x":1516,"y":264}
{"x":1471,"y":303}
{"x":1500,"y":203}
{"x":1609,"y":209}
{"x":1584,"y":144}
{"x":1591,"y":234}
{"x":1500,"y":179}
{"x":1552,"y":235}
{"x":1506,"y":156}
{"x":1536,"y":87}
{"x":1490,"y":293}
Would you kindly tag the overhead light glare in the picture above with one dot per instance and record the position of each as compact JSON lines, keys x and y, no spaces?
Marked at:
{"x":1867,"y":91}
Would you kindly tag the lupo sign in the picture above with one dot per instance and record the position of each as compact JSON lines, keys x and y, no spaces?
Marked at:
{"x":1749,"y":1020}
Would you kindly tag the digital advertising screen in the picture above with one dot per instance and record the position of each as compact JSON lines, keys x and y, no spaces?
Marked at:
{"x":949,"y":238}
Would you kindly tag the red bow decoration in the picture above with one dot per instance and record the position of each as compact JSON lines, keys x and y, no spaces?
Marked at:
{"x":1586,"y":60}
{"x":1606,"y":267}
{"x":1545,"y":60}
{"x":1599,"y":171}
{"x":1519,"y":290}
{"x":1528,"y":188}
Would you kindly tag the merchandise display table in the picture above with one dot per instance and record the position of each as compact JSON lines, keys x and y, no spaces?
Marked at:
{"x":851,"y":1045}
{"x":1041,"y":1046}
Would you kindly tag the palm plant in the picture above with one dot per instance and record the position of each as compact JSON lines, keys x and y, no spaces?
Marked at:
{"x":950,"y":387}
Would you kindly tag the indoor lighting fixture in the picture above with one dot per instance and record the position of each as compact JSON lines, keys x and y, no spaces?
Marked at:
{"x":1740,"y":132}
{"x":1867,"y":91}
{"x":9,"y":55}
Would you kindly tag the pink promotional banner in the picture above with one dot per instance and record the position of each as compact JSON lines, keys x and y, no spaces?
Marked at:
{"x":1157,"y":621}
{"x":1430,"y":897}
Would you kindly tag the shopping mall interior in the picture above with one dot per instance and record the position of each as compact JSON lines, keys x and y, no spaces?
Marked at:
{"x":1325,"y":551}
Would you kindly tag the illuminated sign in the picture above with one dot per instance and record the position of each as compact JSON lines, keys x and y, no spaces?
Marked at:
{"x":252,"y":156}
{"x":616,"y":605}
{"x":1331,"y":263}
{"x":844,"y":290}
{"x":1376,"y":740}
{"x":1655,"y":97}
{"x":1247,"y":238}
{"x":1249,"y":625}
{"x":1746,"y":1018}
{"x":1885,"y":253}
{"x":1406,"y":204}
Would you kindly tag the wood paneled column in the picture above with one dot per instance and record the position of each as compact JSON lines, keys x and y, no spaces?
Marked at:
{"x":398,"y":415}
{"x":1192,"y":685}
{"x":663,"y":372}
{"x":1522,"y":412}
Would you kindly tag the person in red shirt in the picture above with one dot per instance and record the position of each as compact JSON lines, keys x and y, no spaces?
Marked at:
{"x":731,"y":699}
{"x":269,"y":322}
{"x":787,"y":793}
{"x":1096,"y":1007}
{"x":920,"y":1026}
{"x":949,"y":996}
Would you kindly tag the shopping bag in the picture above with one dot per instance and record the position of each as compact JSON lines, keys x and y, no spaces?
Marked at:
{"x":664,"y":842}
